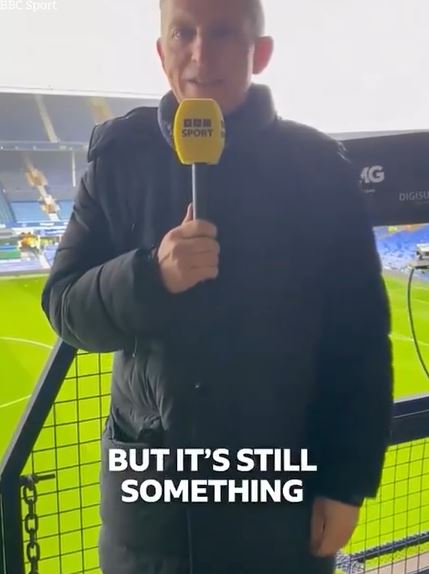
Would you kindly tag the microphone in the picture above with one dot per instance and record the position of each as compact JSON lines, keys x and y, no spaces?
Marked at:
{"x":199,"y":140}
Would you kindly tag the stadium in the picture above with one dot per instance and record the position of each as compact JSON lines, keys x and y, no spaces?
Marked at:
{"x":54,"y":399}
{"x":41,"y":162}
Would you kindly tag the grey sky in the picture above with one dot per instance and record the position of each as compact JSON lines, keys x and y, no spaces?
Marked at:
{"x":340,"y":65}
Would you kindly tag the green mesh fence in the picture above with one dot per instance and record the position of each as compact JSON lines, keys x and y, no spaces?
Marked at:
{"x":392,"y":536}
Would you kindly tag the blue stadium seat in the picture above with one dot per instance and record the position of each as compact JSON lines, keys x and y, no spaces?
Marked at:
{"x":66,"y":208}
{"x":49,"y":253}
{"x":6,"y":214}
{"x":28,"y":212}
{"x":398,"y":249}
{"x":13,"y":177}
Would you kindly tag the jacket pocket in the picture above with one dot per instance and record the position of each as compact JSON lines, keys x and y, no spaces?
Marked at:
{"x":163,"y":387}
{"x":142,"y":391}
{"x":149,"y":527}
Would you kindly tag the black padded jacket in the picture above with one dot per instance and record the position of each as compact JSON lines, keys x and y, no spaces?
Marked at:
{"x":289,"y":347}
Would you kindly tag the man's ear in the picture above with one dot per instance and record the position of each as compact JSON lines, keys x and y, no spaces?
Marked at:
{"x":160,"y":51}
{"x":264,"y":47}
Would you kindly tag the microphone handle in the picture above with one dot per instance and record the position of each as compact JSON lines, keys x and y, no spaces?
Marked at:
{"x":200,"y":191}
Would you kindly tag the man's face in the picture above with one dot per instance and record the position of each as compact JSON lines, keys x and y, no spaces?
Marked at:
{"x":208,"y":50}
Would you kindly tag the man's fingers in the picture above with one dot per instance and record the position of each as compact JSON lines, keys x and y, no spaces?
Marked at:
{"x":336,"y":534}
{"x":196,"y":253}
{"x":203,"y":274}
{"x":204,"y":260}
{"x":317,"y":526}
{"x":198,"y":228}
{"x":331,"y":543}
{"x":188,"y":254}
{"x":201,"y":245}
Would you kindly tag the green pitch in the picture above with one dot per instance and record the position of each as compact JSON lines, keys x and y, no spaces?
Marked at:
{"x":26,"y":336}
{"x":25,"y":342}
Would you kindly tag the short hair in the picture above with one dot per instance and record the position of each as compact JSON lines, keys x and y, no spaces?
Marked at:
{"x":255,"y":11}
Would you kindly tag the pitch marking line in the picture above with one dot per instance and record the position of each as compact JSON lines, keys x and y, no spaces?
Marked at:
{"x":27,"y":342}
{"x":15,"y":402}
{"x":398,"y":337}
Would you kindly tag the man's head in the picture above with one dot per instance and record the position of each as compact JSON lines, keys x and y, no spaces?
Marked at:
{"x":211,"y":48}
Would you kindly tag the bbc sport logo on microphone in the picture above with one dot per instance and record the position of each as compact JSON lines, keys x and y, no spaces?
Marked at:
{"x":200,"y":128}
{"x":197,"y":128}
{"x":199,"y":132}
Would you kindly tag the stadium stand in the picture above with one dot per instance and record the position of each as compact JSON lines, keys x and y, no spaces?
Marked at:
{"x":53,"y":131}
{"x":55,"y":165}
{"x":28,"y":212}
{"x":49,"y":253}
{"x":120,"y":107}
{"x":6,"y":215}
{"x":43,"y":147}
{"x":11,"y":161}
{"x":13,"y":177}
{"x":81,"y":165}
{"x":66,"y":208}
{"x":20,"y":119}
{"x":12,"y":266}
{"x":43,"y":142}
{"x":61,"y":109}
{"x":26,"y":117}
{"x":397,"y":248}
{"x":39,"y":127}
{"x":62,"y":192}
{"x":57,"y":168}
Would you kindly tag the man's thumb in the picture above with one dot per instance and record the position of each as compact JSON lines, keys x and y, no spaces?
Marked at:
{"x":189,"y":214}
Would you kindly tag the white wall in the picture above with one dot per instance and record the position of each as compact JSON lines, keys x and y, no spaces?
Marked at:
{"x":340,"y":65}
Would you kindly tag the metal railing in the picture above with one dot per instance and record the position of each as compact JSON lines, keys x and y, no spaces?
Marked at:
{"x":49,"y":484}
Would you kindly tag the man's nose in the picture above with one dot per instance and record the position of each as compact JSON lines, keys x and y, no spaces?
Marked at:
{"x":200,"y":49}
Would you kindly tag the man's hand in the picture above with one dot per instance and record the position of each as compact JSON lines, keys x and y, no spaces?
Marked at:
{"x":189,"y":254}
{"x":332,"y":525}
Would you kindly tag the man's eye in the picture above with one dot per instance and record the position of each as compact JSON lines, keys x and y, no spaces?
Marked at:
{"x":182,"y":34}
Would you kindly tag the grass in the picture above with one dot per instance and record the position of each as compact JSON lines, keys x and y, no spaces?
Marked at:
{"x":69,"y":503}
{"x":25,"y":338}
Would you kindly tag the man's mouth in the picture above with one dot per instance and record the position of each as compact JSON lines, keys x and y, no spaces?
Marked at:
{"x":204,"y":83}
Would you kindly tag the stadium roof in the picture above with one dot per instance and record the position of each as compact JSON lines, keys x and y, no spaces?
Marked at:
{"x":42,"y":121}
{"x":148,"y":100}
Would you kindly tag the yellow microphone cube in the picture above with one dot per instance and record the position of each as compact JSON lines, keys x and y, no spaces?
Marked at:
{"x":199,"y":132}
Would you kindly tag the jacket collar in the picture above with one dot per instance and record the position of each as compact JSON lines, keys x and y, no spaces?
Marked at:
{"x":254,"y":116}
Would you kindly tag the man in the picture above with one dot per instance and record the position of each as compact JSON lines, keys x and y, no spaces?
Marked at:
{"x":266,"y":326}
